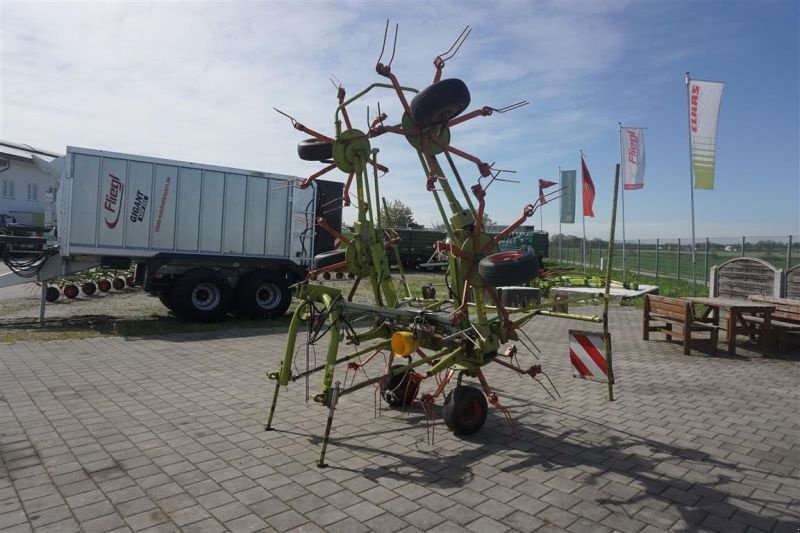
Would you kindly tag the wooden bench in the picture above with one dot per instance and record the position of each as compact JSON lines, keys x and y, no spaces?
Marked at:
{"x":785,"y":319}
{"x":667,"y":312}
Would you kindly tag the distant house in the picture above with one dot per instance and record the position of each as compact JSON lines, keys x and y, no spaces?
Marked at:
{"x":24,"y":188}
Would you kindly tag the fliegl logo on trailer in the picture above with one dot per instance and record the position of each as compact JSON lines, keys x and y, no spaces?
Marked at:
{"x":112,"y":201}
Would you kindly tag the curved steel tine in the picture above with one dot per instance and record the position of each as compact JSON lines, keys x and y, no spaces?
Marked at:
{"x":286,"y":115}
{"x":453,"y":50}
{"x":394,"y":46}
{"x":383,"y":46}
{"x":511,"y":107}
{"x":546,"y":389}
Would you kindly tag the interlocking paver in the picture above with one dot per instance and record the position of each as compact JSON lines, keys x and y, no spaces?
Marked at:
{"x":168,"y":433}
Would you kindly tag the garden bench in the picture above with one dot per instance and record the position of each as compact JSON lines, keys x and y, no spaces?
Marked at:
{"x":785,"y":320}
{"x":661,"y":313}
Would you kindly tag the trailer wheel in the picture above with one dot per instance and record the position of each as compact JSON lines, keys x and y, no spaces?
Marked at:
{"x":465,"y":410}
{"x":440,"y":102}
{"x":52,"y":294}
{"x":104,"y":285}
{"x":314,"y":150}
{"x":262,"y":294}
{"x":118,"y":283}
{"x":89,"y":288}
{"x":329,"y":258}
{"x":71,"y":290}
{"x":508,"y":268}
{"x":400,"y":389}
{"x":165,"y":297}
{"x":201,"y":294}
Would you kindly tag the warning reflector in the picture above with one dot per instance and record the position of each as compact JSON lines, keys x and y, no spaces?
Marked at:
{"x":587,"y":354}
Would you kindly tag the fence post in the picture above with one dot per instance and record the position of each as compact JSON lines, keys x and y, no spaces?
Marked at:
{"x":589,"y":245}
{"x":679,"y":260}
{"x":657,"y":247}
{"x":789,"y":254}
{"x":743,"y":241}
{"x":705,"y":266}
{"x":638,"y":257}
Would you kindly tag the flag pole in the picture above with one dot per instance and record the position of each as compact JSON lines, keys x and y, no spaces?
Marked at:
{"x":622,"y":193}
{"x":559,"y":219}
{"x":583,"y":218}
{"x":691,"y":183}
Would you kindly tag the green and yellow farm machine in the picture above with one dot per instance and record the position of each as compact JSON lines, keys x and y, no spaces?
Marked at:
{"x":419,"y":338}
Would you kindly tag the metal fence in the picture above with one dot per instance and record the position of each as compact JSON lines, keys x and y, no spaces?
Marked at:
{"x":672,"y":258}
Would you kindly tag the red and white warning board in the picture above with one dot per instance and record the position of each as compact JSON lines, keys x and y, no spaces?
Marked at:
{"x":587,"y":354}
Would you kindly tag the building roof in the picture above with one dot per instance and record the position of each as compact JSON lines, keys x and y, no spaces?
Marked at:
{"x":25,"y":151}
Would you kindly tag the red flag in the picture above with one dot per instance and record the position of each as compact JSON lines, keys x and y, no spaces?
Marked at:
{"x":588,"y":190}
{"x":543,"y":184}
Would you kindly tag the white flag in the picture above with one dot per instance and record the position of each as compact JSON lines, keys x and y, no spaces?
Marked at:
{"x":632,"y":142}
{"x":704,"y":101}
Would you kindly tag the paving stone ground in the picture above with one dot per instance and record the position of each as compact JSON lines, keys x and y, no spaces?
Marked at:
{"x":166,"y":434}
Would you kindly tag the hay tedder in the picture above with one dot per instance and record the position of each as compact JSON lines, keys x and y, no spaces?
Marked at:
{"x":412,"y":338}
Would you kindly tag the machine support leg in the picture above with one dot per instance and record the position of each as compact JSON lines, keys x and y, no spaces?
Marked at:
{"x":332,"y":399}
{"x":269,"y":427}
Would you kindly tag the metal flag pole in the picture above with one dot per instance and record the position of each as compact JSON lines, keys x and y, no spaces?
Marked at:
{"x":622,"y":194}
{"x":691,"y":183}
{"x":559,"y":219}
{"x":583,"y":219}
{"x":607,"y":297}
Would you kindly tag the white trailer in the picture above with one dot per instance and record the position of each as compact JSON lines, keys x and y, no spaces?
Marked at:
{"x":205,"y":239}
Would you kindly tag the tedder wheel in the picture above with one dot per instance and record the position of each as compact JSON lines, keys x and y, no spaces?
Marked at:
{"x":201,"y":294}
{"x":52,"y":294}
{"x":508,"y":268}
{"x":71,"y":290}
{"x":329,"y":258}
{"x":104,"y":285}
{"x":165,"y":297}
{"x":130,"y":281}
{"x":118,"y":283}
{"x":439,"y":103}
{"x":465,"y":410}
{"x":397,"y":391}
{"x":263,"y":294}
{"x":314,"y":150}
{"x":89,"y":288}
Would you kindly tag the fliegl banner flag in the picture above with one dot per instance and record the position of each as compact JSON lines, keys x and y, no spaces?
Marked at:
{"x":704,"y":101}
{"x":568,"y":178}
{"x":632,"y":140}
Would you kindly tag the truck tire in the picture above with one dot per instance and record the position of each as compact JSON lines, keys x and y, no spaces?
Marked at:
{"x":263,"y":294}
{"x":465,"y":409}
{"x":52,"y":294}
{"x":314,"y":150}
{"x":440,"y":102}
{"x":508,"y":268}
{"x":165,"y":297}
{"x":328,"y":258}
{"x":202,"y":294}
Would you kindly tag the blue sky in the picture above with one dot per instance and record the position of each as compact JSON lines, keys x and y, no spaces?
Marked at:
{"x":198,"y":82}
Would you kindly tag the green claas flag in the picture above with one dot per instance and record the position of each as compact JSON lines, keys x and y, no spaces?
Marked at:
{"x":704,"y":101}
{"x":568,"y":196}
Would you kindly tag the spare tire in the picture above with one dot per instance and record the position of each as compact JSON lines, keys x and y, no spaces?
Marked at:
{"x":508,"y":268}
{"x":314,"y":150}
{"x":440,"y":102}
{"x":399,"y":390}
{"x":328,"y":258}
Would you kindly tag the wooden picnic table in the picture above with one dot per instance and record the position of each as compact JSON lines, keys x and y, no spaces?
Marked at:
{"x":736,"y":323}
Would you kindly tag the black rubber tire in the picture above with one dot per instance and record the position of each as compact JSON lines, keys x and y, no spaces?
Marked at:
{"x":89,"y":288}
{"x":440,"y":102}
{"x":263,"y":294}
{"x":104,"y":285}
{"x":130,"y":281}
{"x":165,"y":297}
{"x":328,"y":258}
{"x":52,"y":294}
{"x":118,"y":283}
{"x":508,"y":268}
{"x":396,"y":392}
{"x":314,"y":150}
{"x":465,"y":410}
{"x":202,"y":295}
{"x":71,"y":290}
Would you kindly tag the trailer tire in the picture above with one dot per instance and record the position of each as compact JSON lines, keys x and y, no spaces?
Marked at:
{"x":52,"y":294}
{"x":314,"y":150}
{"x":465,"y":409}
{"x":71,"y":290}
{"x":328,"y":258}
{"x":202,"y":294}
{"x":397,"y":391}
{"x":263,"y":294}
{"x":89,"y":288}
{"x":440,"y":102}
{"x":104,"y":285}
{"x":165,"y":297}
{"x":508,"y":268}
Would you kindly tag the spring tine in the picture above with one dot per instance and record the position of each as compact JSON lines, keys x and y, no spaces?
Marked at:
{"x":545,"y":388}
{"x":450,"y":54}
{"x":511,"y":107}
{"x":383,"y":46}
{"x":394,"y":46}
{"x":286,"y":115}
{"x":552,"y":384}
